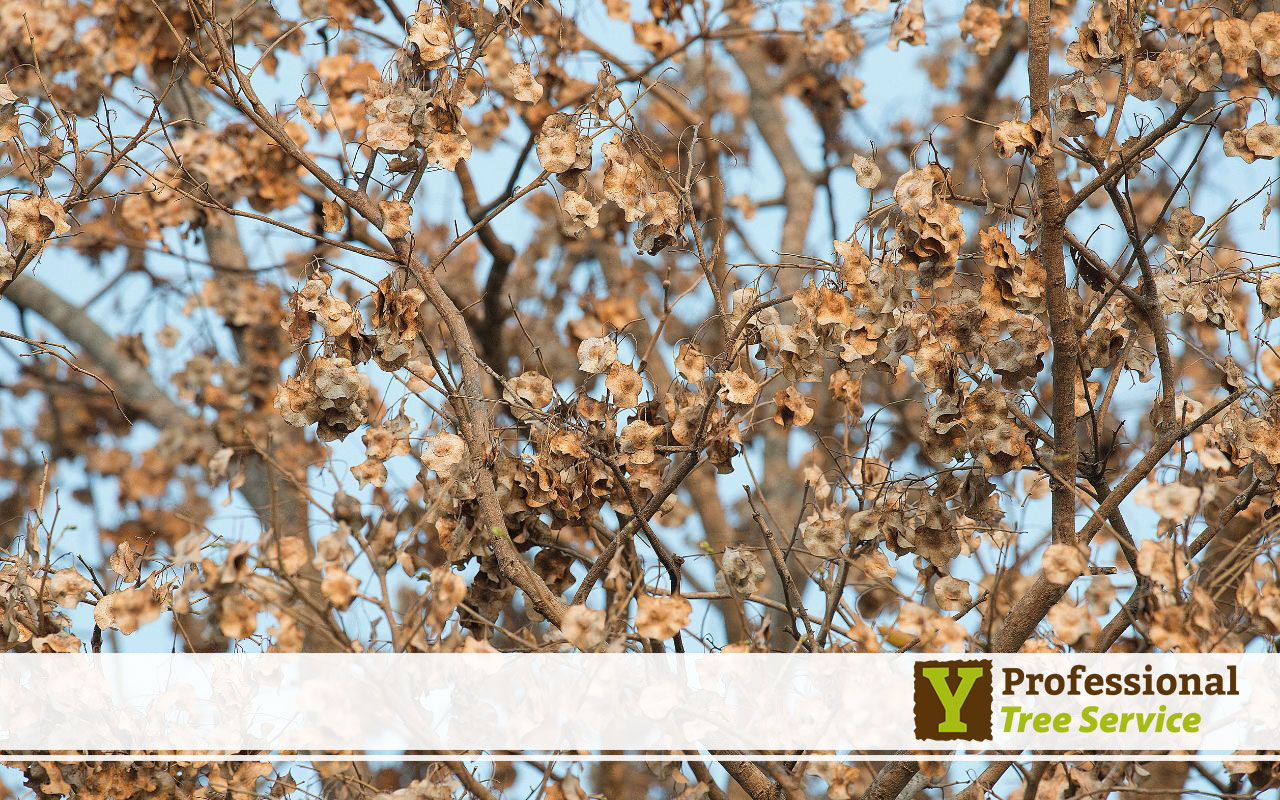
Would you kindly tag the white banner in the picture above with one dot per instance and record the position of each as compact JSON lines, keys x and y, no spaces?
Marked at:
{"x":544,"y":703}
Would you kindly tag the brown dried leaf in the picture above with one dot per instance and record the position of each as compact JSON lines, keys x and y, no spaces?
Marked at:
{"x":1063,"y":563}
{"x":339,"y":586}
{"x":951,"y":593}
{"x":661,"y":617}
{"x":333,"y":218}
{"x":583,"y":627}
{"x":396,"y":220}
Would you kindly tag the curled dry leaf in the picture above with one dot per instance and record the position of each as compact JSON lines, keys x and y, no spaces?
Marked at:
{"x":333,"y":218}
{"x":61,"y":642}
{"x":981,"y":24}
{"x":1164,"y":562}
{"x":625,"y":384}
{"x":431,"y":37}
{"x":443,"y":452}
{"x":1172,"y":501}
{"x":168,"y":336}
{"x":308,"y":112}
{"x":447,"y":148}
{"x":531,"y":389}
{"x":128,"y":609}
{"x":421,"y":374}
{"x":287,"y":635}
{"x":1070,"y":622}
{"x":866,"y":173}
{"x":661,"y":617}
{"x":238,"y":616}
{"x":691,"y":363}
{"x":527,"y":89}
{"x":583,"y":627}
{"x":125,"y":562}
{"x":1269,"y":296}
{"x":396,"y":220}
{"x":1100,"y":594}
{"x":737,"y":387}
{"x":876,"y":566}
{"x":1182,"y":227}
{"x":637,"y":440}
{"x":792,"y":407}
{"x":33,"y":220}
{"x":823,"y":533}
{"x":655,"y":38}
{"x":447,"y":592}
{"x":596,"y":355}
{"x":370,"y":472}
{"x":908,"y":25}
{"x":917,"y":189}
{"x":741,"y":571}
{"x":560,"y":147}
{"x":287,"y":554}
{"x":951,"y":593}
{"x":580,"y":214}
{"x":934,"y":631}
{"x":68,"y":587}
{"x":1063,"y":563}
{"x":1027,"y":138}
{"x":1035,"y":485}
{"x":339,"y":586}
{"x":219,"y":462}
{"x":1236,"y":41}
{"x":1264,"y":30}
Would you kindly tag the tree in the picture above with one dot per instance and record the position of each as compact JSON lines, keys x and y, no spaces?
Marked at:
{"x":521,"y":328}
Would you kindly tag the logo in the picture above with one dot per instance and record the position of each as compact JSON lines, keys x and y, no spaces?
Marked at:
{"x":953,"y":700}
